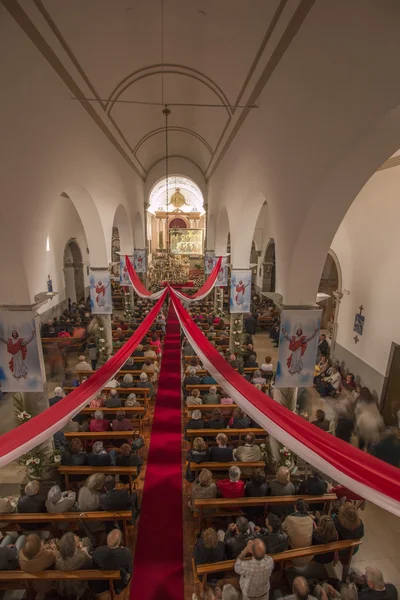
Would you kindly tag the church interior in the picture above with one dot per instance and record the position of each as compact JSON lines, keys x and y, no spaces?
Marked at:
{"x":199,"y":336}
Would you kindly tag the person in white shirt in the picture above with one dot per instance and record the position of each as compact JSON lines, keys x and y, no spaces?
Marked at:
{"x":83,"y":365}
{"x":267,"y":366}
{"x":331,"y":383}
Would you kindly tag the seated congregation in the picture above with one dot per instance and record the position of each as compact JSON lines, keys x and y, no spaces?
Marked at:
{"x":261,"y":530}
{"x":85,"y":522}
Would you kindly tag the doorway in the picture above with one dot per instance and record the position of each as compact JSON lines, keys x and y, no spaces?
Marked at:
{"x":73,"y":272}
{"x":391,"y":388}
{"x":268,"y":282}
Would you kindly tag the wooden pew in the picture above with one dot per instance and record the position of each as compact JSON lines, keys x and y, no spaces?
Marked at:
{"x":129,"y":410}
{"x":224,"y":466}
{"x":50,"y":521}
{"x":266,"y":501}
{"x":201,"y":571}
{"x":241,"y":433}
{"x":137,"y":391}
{"x":102,"y":436}
{"x":88,"y":470}
{"x":209,"y":407}
{"x":19,"y":580}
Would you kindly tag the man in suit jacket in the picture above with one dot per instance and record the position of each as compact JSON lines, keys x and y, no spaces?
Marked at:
{"x":120,"y":499}
{"x":32,"y":502}
{"x":58,"y":395}
{"x":221,"y":452}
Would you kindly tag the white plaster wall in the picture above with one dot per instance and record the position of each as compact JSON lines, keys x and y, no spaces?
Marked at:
{"x":368,"y":248}
{"x":65,"y":224}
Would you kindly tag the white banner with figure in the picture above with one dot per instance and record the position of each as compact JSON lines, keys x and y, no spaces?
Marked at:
{"x":124,"y":278}
{"x":100,"y":292}
{"x":240,"y":291}
{"x":139,"y":258}
{"x":19,"y":356}
{"x":209,"y":261}
{"x":298,"y":346}
{"x":222,"y":277}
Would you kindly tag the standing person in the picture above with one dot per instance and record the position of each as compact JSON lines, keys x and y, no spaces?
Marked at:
{"x":250,"y":325}
{"x":255,"y":573}
{"x":92,"y":351}
{"x":323,"y":346}
{"x":321,"y":422}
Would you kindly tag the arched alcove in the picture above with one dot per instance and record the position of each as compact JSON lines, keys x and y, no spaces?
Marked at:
{"x":269,"y":269}
{"x":73,"y":272}
{"x":121,"y":222}
{"x":330,"y":282}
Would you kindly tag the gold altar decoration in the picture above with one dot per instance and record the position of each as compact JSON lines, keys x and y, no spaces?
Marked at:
{"x":178,"y":199}
{"x":165,"y":266}
{"x":186,"y":241}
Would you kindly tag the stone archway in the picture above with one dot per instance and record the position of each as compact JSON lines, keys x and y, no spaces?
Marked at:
{"x":73,"y":272}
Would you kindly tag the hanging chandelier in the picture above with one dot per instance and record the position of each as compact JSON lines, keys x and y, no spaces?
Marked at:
{"x":165,"y":265}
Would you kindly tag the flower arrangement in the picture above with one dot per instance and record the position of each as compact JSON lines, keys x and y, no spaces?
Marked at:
{"x":128,"y":312}
{"x":101,"y":342}
{"x":288,"y":458}
{"x":40,"y":458}
{"x":219,"y":309}
{"x":237,"y":333}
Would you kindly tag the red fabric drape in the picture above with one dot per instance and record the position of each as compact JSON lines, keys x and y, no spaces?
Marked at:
{"x":25,"y":437}
{"x":367,"y":476}
{"x":199,"y":295}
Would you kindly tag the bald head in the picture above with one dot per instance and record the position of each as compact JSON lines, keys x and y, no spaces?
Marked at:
{"x":258,"y":549}
{"x":114,"y":538}
{"x":300,"y":588}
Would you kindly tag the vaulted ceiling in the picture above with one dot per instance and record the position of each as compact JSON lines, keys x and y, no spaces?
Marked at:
{"x":218,"y":52}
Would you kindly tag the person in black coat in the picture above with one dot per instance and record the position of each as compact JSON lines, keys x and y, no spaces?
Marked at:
{"x":221,"y":452}
{"x":196,"y":422}
{"x":237,"y":537}
{"x":217,"y":421}
{"x":251,"y":363}
{"x":120,"y":499}
{"x":208,"y":549}
{"x":74,"y":455}
{"x":191,"y":379}
{"x":250,"y":325}
{"x":99,"y":457}
{"x":32,"y":502}
{"x":314,"y":486}
{"x":273,"y":536}
{"x":197,"y":454}
{"x":112,"y":557}
{"x":126,"y":458}
{"x":255,"y":488}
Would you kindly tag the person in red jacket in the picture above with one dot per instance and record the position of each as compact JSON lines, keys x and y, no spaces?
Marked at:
{"x":99,"y":423}
{"x":232,"y":487}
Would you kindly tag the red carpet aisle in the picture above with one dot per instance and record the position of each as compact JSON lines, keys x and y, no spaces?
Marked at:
{"x":158,"y":561}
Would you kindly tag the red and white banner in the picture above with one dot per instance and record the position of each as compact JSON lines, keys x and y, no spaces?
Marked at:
{"x":199,"y":295}
{"x":362,"y":473}
{"x":39,"y":429}
{"x":138,"y":285}
{"x":206,"y":288}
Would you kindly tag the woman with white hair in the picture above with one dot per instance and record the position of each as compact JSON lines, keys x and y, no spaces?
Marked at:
{"x":99,"y":423}
{"x":58,"y":501}
{"x":59,"y":394}
{"x":127,"y":381}
{"x":145,"y":383}
{"x":195,"y":422}
{"x":233,"y":487}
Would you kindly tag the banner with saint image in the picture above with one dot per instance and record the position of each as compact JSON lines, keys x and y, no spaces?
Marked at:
{"x":298,"y":347}
{"x":100,"y":292}
{"x":209,"y":261}
{"x":124,"y":278}
{"x":19,"y":355}
{"x":139,"y":261}
{"x":222,"y":277}
{"x":240,"y":291}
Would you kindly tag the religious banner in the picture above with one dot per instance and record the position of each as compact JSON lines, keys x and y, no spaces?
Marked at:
{"x":19,"y":356}
{"x":139,"y":261}
{"x":100,"y":292}
{"x":222,"y":277}
{"x":298,"y":346}
{"x":240,"y":291}
{"x":124,"y":278}
{"x":209,"y":261}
